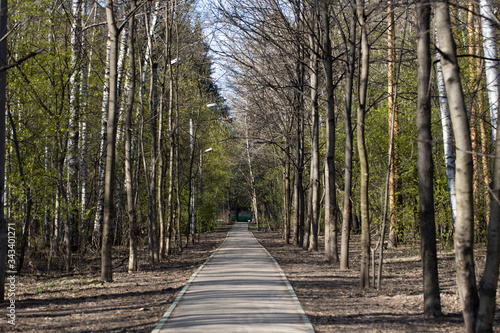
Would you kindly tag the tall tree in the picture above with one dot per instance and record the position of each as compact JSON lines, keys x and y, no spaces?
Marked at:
{"x":109,"y":180}
{"x":393,"y":121}
{"x":489,"y":282}
{"x":253,"y":185}
{"x":347,"y":213}
{"x":129,"y":182}
{"x":464,"y":224}
{"x":99,"y":214}
{"x":489,"y":26}
{"x":315,"y":167}
{"x":432,"y":301}
{"x":74,"y":110}
{"x":448,"y":145}
{"x":171,"y":131}
{"x":331,"y":249}
{"x":363,"y":157}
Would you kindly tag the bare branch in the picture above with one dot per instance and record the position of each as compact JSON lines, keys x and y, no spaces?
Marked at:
{"x":20,"y":61}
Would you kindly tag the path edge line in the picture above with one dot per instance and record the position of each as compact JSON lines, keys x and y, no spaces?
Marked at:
{"x":172,"y":307}
{"x":305,"y":318}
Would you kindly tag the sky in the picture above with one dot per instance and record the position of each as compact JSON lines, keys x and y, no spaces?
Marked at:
{"x":213,"y":37}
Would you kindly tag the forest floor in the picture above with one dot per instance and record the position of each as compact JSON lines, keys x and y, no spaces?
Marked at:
{"x":135,"y":302}
{"x":79,"y":302}
{"x":334,"y":302}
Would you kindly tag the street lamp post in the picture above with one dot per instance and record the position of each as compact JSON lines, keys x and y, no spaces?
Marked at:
{"x":201,"y":173}
{"x":191,"y":194}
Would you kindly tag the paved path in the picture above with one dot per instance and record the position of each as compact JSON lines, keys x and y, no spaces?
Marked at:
{"x":239,"y":289}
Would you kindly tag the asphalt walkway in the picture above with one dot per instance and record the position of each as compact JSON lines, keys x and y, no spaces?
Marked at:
{"x":240,"y":288}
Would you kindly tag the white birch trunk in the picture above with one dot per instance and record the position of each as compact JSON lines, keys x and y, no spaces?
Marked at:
{"x":86,"y":71}
{"x":490,"y":62}
{"x":449,"y":152}
{"x":72,"y":152}
{"x":102,"y":154}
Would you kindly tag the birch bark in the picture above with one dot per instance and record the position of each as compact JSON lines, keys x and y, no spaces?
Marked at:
{"x":490,"y":62}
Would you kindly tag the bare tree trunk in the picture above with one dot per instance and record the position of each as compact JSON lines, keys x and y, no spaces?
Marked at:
{"x":109,"y":180}
{"x":73,"y":135}
{"x":331,"y":248}
{"x":160,"y":182}
{"x":178,"y":194}
{"x":129,"y":183}
{"x":347,"y":216}
{"x":489,"y":282}
{"x":488,"y":23}
{"x":165,"y":227}
{"x":191,"y":222}
{"x":482,"y":130}
{"x":393,"y":123}
{"x":177,"y":160}
{"x":449,"y":153}
{"x":307,"y":223}
{"x":432,"y":301}
{"x":479,"y":225}
{"x":96,"y":234}
{"x":255,"y":207}
{"x":153,"y":213}
{"x":363,"y":158}
{"x":286,"y":194}
{"x":314,"y":177}
{"x":87,"y":56}
{"x":171,"y":131}
{"x":298,"y":201}
{"x":299,"y":207}
{"x":464,"y":233}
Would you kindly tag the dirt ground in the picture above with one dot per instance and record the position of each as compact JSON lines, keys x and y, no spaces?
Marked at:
{"x":131,"y":303}
{"x":331,"y":298}
{"x":334,"y":302}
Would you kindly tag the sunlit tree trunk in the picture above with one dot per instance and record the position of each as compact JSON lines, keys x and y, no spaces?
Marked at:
{"x":347,"y":214}
{"x":363,"y":157}
{"x":129,"y":182}
{"x":96,"y":234}
{"x":165,"y":230}
{"x":464,"y":224}
{"x":153,"y":213}
{"x":331,"y":249}
{"x":191,"y":220}
{"x":489,"y":282}
{"x":489,"y":26}
{"x":73,"y":135}
{"x":432,"y":301}
{"x":298,"y":200}
{"x":474,"y":115}
{"x":448,"y":144}
{"x":171,"y":130}
{"x":314,"y":171}
{"x":160,"y":182}
{"x":393,"y":123}
{"x":255,"y":206}
{"x":109,"y":179}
